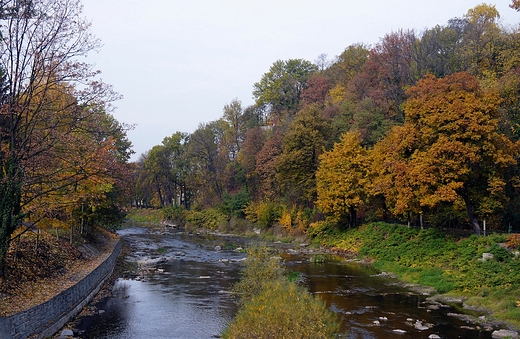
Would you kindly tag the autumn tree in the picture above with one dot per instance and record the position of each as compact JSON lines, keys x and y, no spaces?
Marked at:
{"x":303,"y":144}
{"x":41,"y":41}
{"x":209,"y":161}
{"x":451,"y":148}
{"x":482,"y":41}
{"x":253,"y":144}
{"x":265,"y":165}
{"x":342,"y":180}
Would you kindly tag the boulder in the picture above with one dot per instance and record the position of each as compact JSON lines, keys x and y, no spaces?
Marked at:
{"x":487,"y":256}
{"x":503,"y":334}
{"x":419,"y":326}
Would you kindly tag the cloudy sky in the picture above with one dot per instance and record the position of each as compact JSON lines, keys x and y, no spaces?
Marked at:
{"x":178,"y":62}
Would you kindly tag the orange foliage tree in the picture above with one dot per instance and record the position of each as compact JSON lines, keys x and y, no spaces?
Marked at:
{"x":449,"y":148}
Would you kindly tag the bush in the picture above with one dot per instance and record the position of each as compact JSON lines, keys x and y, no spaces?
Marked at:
{"x":274,"y":307}
{"x":209,"y":218}
{"x":260,"y":267}
{"x":283,"y":310}
{"x":265,"y":213}
{"x":234,"y":204}
{"x":174,"y":213}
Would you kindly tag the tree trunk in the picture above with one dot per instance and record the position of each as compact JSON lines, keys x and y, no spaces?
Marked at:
{"x":352,"y":217}
{"x":10,"y":206}
{"x":471,"y":214}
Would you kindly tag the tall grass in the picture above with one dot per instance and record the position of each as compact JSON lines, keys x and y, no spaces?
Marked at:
{"x":274,"y":307}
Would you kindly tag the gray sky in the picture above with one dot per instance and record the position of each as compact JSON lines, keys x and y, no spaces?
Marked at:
{"x":177,"y":63}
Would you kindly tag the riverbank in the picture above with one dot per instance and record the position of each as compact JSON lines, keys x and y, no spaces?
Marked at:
{"x":42,"y":266}
{"x":451,"y":266}
{"x":480,"y":272}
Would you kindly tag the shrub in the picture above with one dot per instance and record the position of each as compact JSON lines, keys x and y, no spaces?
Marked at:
{"x":260,"y":267}
{"x":265,"y":213}
{"x":513,"y":241}
{"x":234,"y":204}
{"x":209,"y":218}
{"x":274,"y":307}
{"x":297,"y":218}
{"x":283,"y":310}
{"x":174,"y":214}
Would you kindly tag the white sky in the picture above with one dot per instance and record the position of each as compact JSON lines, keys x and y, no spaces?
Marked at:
{"x":178,"y":62}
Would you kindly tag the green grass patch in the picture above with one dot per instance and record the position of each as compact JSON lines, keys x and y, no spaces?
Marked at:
{"x":145,"y":215}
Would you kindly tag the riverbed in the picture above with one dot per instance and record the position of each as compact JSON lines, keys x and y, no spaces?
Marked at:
{"x":181,"y":289}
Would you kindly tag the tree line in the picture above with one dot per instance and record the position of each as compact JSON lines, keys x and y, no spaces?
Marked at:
{"x":422,"y":127}
{"x":63,"y":156}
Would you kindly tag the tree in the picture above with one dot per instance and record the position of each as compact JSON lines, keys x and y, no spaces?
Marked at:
{"x":303,"y":144}
{"x":281,"y":87}
{"x":41,"y":41}
{"x":436,"y":52}
{"x":265,"y":164}
{"x":482,"y":41}
{"x":515,"y":5}
{"x":317,"y":90}
{"x":451,"y":148}
{"x":253,"y":144}
{"x":209,"y":161}
{"x":235,"y":132}
{"x":341,"y":179}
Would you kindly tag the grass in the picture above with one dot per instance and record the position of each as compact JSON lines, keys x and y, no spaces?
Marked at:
{"x":145,"y":215}
{"x":273,"y":306}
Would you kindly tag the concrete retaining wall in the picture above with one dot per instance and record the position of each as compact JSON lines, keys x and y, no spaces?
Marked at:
{"x":46,"y":319}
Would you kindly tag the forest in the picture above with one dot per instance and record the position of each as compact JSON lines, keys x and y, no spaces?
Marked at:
{"x":422,"y":128}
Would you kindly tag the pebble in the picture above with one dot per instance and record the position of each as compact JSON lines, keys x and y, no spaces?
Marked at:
{"x":434,"y":336}
{"x":383,"y":318}
{"x":399,"y":331}
{"x":376,"y":323}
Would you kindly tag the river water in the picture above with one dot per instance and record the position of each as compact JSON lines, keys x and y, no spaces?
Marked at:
{"x":183,"y":292}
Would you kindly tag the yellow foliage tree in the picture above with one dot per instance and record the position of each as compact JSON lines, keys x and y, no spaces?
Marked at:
{"x":342,"y":181}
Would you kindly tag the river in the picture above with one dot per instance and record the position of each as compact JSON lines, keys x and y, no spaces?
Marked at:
{"x":183,"y":287}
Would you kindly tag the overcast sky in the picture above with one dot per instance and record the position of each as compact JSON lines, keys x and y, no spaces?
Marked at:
{"x":178,"y":62}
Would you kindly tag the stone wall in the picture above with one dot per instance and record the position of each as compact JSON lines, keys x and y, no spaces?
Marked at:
{"x":46,"y":319}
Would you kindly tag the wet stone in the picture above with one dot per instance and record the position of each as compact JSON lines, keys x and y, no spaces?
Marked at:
{"x":504,"y":334}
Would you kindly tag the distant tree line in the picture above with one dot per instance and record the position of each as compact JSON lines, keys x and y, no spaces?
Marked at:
{"x":423,"y":127}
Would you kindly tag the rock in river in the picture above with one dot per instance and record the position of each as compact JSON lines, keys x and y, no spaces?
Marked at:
{"x":504,"y":333}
